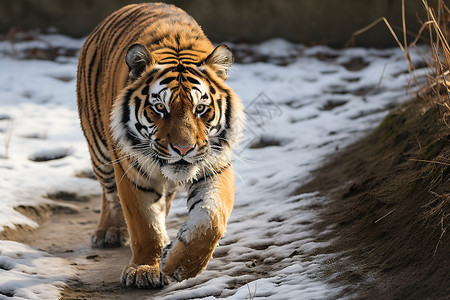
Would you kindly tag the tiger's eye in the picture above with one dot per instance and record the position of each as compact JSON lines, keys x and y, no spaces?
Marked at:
{"x":200,"y":108}
{"x":160,"y":107}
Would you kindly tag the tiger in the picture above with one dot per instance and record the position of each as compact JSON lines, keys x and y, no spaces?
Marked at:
{"x":158,"y":116}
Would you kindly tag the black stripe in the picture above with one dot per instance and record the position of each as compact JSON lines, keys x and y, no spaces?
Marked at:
{"x":137,"y":104}
{"x":164,"y":72}
{"x":174,"y":53}
{"x":167,"y":80}
{"x":156,"y":41}
{"x":110,"y":190}
{"x":174,"y":96}
{"x":89,"y":88}
{"x":93,"y":149}
{"x":161,"y":148}
{"x":174,"y":89}
{"x":110,"y":183}
{"x":141,"y":188}
{"x":171,"y":48}
{"x":192,"y":80}
{"x":98,"y":121}
{"x":222,"y":138}
{"x":195,"y":203}
{"x":228,"y":111}
{"x":126,"y":110}
{"x":148,"y":190}
{"x":220,"y":110}
{"x":93,"y":144}
{"x":202,"y":147}
{"x":192,"y":194}
{"x":189,"y":60}
{"x":150,"y":75}
{"x":126,"y":118}
{"x":102,"y":172}
{"x":147,"y":117}
{"x":195,"y":72}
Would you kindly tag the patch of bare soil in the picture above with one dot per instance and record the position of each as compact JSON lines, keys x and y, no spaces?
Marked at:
{"x":389,"y":209}
{"x":66,"y":232}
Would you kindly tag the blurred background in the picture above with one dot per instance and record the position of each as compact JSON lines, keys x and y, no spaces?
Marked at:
{"x":330,"y":22}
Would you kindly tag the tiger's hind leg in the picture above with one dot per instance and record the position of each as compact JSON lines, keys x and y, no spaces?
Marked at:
{"x":111,"y":229}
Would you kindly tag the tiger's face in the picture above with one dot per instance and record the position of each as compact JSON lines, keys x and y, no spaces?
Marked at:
{"x":179,"y":116}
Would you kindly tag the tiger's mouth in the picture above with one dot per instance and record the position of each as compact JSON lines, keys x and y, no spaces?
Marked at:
{"x":180,"y":170}
{"x":182,"y":163}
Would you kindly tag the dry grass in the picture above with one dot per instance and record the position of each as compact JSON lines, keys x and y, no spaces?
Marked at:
{"x":437,"y":213}
{"x":439,"y":210}
{"x":437,"y":89}
{"x":435,"y":30}
{"x":437,"y":25}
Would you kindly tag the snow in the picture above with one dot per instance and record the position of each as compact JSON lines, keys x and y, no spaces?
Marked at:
{"x":302,"y":104}
{"x":26,"y":273}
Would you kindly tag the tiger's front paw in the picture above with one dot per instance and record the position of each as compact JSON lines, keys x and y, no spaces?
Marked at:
{"x":143,"y":276}
{"x":181,"y":260}
{"x":109,"y":237}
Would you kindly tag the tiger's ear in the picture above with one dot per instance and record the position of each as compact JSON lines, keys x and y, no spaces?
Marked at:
{"x":137,"y":59}
{"x":220,"y":60}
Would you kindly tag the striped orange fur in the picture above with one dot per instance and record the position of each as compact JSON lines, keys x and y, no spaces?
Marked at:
{"x":157,"y":114}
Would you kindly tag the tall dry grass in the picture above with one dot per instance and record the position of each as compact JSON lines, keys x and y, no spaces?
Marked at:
{"x":435,"y":31}
{"x":437,"y":23}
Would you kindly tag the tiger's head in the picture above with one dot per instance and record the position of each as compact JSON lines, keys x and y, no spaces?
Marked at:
{"x":177,"y":112}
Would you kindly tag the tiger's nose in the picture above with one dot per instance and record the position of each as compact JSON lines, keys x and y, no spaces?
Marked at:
{"x":182,"y":150}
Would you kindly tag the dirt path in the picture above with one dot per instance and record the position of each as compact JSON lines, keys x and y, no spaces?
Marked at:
{"x":66,"y":234}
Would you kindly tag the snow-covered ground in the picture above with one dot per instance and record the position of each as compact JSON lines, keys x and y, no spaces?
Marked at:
{"x":302,"y":103}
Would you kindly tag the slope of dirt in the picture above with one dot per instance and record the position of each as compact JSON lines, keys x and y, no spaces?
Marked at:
{"x":389,"y":208}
